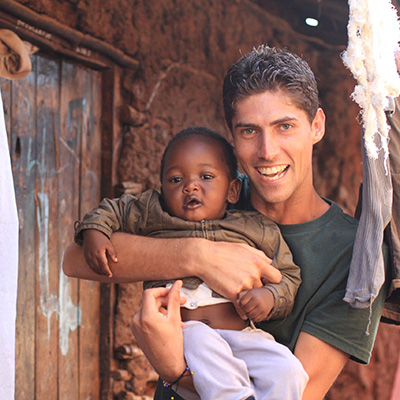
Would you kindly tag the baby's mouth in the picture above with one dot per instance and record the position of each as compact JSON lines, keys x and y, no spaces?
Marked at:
{"x":191,"y":203}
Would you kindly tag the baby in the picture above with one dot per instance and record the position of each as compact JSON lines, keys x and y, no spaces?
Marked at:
{"x":228,"y":357}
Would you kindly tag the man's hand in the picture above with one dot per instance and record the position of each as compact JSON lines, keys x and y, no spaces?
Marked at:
{"x":158,"y":330}
{"x":97,"y":248}
{"x":231,"y":268}
{"x":256,"y":303}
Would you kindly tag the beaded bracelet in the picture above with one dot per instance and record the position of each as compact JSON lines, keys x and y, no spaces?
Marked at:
{"x":167,"y":385}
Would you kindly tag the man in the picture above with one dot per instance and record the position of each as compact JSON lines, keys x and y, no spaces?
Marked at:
{"x":272,"y":111}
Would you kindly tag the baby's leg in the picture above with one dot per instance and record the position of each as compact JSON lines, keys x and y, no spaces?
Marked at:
{"x":274,"y":371}
{"x":217,"y":374}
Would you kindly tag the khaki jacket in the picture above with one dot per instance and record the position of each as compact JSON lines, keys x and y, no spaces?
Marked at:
{"x":144,"y":216}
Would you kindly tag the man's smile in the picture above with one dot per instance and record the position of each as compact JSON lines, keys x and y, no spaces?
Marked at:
{"x":273,"y":173}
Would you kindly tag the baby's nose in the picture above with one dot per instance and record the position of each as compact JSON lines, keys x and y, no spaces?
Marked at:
{"x":191,"y":186}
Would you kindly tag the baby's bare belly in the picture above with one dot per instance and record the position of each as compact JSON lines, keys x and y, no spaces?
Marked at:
{"x":217,"y":316}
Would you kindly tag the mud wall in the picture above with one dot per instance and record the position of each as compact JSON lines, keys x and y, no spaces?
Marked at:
{"x":184,"y":48}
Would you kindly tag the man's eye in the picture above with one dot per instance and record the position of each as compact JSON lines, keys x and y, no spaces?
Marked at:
{"x":207,"y":177}
{"x":175,"y":179}
{"x":249,"y":131}
{"x":285,"y":127}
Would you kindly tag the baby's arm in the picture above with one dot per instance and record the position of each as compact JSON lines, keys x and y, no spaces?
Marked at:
{"x":273,"y":301}
{"x":96,"y":228}
{"x":97,"y":247}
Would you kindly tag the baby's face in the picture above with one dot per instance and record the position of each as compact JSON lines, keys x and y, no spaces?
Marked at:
{"x":196,"y":183}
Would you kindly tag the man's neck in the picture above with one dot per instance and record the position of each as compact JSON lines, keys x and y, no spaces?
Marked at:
{"x":292,"y":212}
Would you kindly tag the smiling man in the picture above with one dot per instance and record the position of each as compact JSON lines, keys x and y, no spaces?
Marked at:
{"x":272,"y":111}
{"x":274,"y":140}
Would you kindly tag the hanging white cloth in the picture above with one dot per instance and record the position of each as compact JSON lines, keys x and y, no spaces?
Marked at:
{"x":8,"y":266}
{"x":374,"y":34}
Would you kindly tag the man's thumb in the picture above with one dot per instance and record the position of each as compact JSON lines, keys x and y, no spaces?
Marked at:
{"x":174,"y":300}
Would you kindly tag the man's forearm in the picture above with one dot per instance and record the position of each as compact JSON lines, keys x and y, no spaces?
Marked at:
{"x":228,"y":268}
{"x":139,"y":259}
{"x":314,"y":354}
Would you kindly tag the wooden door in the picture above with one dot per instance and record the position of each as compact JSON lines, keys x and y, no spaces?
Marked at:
{"x":53,"y":123}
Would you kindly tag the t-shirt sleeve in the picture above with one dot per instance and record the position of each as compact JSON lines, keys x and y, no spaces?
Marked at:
{"x":351,"y":330}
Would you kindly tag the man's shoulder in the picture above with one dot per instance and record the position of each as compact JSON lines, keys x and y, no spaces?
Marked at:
{"x":334,"y":222}
{"x":339,"y":218}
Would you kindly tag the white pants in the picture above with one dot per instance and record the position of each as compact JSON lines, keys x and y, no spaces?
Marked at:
{"x":235,"y":365}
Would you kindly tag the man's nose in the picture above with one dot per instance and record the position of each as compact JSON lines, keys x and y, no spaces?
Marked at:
{"x":269,"y":146}
{"x":191,"y":186}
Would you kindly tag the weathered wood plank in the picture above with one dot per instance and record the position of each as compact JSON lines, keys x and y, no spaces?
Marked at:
{"x":47,"y":279}
{"x":54,"y":359}
{"x":21,"y":124}
{"x":71,"y":105}
{"x":89,"y":292}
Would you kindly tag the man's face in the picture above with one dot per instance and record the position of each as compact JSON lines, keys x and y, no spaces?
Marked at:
{"x":273,"y":141}
{"x":196,"y":183}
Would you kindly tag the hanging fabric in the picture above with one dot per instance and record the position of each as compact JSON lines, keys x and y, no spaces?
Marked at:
{"x":391,"y":310}
{"x":14,"y":64}
{"x":14,"y":56}
{"x":8,"y":266}
{"x":374,"y":33}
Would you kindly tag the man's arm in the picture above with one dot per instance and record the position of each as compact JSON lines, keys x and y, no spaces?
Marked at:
{"x":160,"y":318}
{"x":139,"y":259}
{"x":228,"y":268}
{"x":322,"y":363}
{"x":157,"y":328}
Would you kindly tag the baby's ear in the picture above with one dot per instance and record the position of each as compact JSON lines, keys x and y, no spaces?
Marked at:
{"x":234,"y":191}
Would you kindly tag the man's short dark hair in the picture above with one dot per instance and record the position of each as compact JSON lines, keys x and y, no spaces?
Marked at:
{"x":210,"y":135}
{"x":267,"y":68}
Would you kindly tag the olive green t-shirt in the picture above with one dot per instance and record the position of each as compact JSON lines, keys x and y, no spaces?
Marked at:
{"x":323,"y":249}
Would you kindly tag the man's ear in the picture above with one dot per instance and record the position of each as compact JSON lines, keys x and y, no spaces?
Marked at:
{"x":234,"y":191}
{"x":318,"y":126}
{"x":230,"y":134}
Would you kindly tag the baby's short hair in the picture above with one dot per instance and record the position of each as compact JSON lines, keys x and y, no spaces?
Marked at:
{"x":210,"y":135}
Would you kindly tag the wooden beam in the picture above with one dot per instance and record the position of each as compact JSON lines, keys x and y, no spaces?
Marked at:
{"x":53,"y":35}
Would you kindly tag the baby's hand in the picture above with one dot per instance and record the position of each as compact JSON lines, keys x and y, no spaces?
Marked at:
{"x":97,"y":247}
{"x":257,"y":303}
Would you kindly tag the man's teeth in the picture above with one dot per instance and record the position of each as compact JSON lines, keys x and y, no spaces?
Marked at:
{"x":272,"y":173}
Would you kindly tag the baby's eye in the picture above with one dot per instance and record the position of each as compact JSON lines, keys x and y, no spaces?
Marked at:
{"x":175,"y":179}
{"x":207,"y":177}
